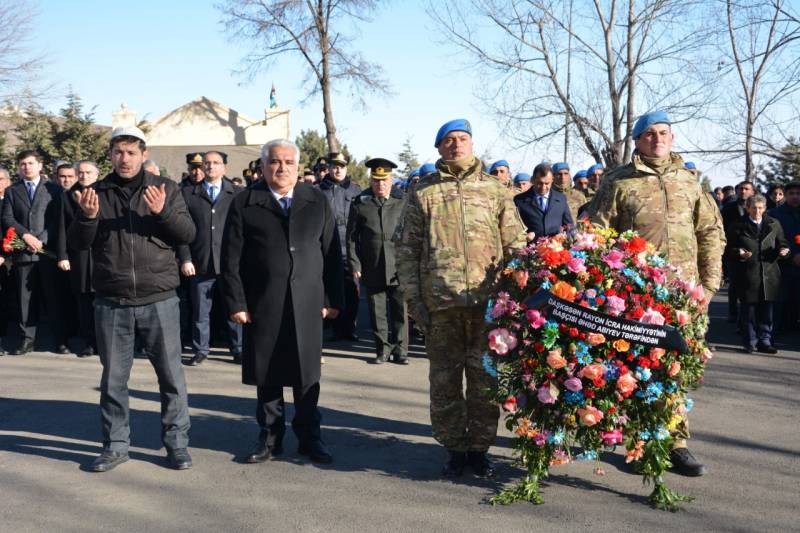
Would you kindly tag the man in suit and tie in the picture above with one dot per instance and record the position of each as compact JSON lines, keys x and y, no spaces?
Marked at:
{"x":282,"y":275}
{"x":208,"y":203}
{"x":543,"y":209}
{"x":31,"y":207}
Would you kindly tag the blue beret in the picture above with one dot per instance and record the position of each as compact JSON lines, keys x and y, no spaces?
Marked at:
{"x":427,"y":168}
{"x":689,"y":166}
{"x":579,"y":174}
{"x":558,"y":167}
{"x":522,"y":176}
{"x":414,"y":173}
{"x":594,"y":168}
{"x":647,"y":120}
{"x":459,"y":124}
{"x":499,"y":163}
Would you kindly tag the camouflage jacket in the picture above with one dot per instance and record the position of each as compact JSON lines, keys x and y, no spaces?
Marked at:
{"x":457,"y":234}
{"x":575,"y":199}
{"x":668,"y":209}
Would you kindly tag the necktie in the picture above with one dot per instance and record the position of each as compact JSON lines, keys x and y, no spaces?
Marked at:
{"x":286,"y":203}
{"x":212,"y":193}
{"x":542,"y":203}
{"x":31,"y":190}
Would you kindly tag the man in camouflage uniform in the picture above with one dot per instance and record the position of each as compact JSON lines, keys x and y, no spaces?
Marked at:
{"x":461,"y":227}
{"x":656,"y":196}
{"x":501,"y":170}
{"x":562,"y":182}
{"x":595,"y":176}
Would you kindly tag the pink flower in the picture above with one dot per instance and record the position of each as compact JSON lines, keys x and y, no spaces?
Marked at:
{"x":656,"y":353}
{"x":555,"y":359}
{"x":585,"y":241}
{"x":626,"y":383}
{"x":510,"y":404}
{"x":590,"y":415}
{"x":697,"y":293}
{"x":651,"y":316}
{"x":547,"y":393}
{"x":614,"y":259}
{"x":659,"y":276}
{"x":574,"y":384}
{"x":706,"y":355}
{"x":541,"y":438}
{"x":595,"y":338}
{"x":610,"y":438}
{"x":683,"y":317}
{"x":535,"y":318}
{"x":502,"y":341}
{"x":521,"y":277}
{"x":593,"y":371}
{"x":576,"y":265}
{"x":615,"y":305}
{"x":674,"y":369}
{"x":503,"y":305}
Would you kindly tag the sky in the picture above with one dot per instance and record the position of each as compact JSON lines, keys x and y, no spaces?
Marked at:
{"x":157,"y":56}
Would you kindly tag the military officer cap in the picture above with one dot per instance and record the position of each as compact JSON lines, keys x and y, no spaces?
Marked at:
{"x":223,"y":155}
{"x":459,"y":124}
{"x":427,"y":168}
{"x":594,"y":168}
{"x":321,"y":164}
{"x":337,"y":158}
{"x":647,"y":120}
{"x":247,"y":173}
{"x":578,"y":175}
{"x":558,"y":167}
{"x":195,"y":159}
{"x":689,"y":166}
{"x":308,"y":172}
{"x":522,"y":176}
{"x":498,"y":163}
{"x":380,"y":168}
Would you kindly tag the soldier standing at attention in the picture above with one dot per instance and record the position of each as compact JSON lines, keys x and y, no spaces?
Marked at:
{"x":460,"y":228}
{"x":656,"y":196}
{"x":374,"y":216}
{"x":562,"y":182}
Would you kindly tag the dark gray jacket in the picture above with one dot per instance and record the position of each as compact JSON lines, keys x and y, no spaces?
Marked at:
{"x":340,"y":196}
{"x":39,"y":218}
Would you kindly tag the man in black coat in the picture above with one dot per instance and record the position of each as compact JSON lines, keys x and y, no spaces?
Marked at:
{"x":340,"y":192}
{"x":133,"y":221}
{"x":208,"y":203}
{"x":374,"y":217}
{"x":544,"y":210}
{"x":281,"y":276}
{"x":31,"y":207}
{"x":732,"y":213}
{"x":79,"y":262}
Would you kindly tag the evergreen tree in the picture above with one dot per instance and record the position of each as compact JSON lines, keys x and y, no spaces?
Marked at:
{"x":6,"y":158}
{"x":34,"y":129}
{"x":409,"y":161}
{"x":75,"y":136}
{"x":312,"y":145}
{"x":783,"y":169}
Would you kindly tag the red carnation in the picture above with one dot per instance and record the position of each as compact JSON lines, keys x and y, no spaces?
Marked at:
{"x":797,"y":239}
{"x":636,"y":245}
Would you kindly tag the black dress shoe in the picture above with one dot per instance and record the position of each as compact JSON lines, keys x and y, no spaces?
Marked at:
{"x":684,"y":463}
{"x":108,"y":460}
{"x":748,"y":349}
{"x":179,"y":459}
{"x":381,"y":358}
{"x":262,"y":452}
{"x":316,"y":451}
{"x":22,"y":349}
{"x":87,"y":352}
{"x":767,"y":348}
{"x":62,"y":349}
{"x":197,"y":359}
{"x":481,"y":464}
{"x":454,"y":466}
{"x":237,"y":358}
{"x":399,"y":359}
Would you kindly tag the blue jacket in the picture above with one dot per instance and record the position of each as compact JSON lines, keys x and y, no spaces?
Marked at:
{"x":551,"y":221}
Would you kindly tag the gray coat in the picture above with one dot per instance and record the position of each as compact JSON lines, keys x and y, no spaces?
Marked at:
{"x":40,"y":218}
{"x":370,"y":249}
{"x":340,"y":196}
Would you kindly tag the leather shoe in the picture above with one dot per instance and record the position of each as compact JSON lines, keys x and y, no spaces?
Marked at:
{"x":22,"y":349}
{"x":767,"y":348}
{"x":179,"y":459}
{"x":749,"y":349}
{"x":481,"y":464}
{"x":237,"y":358}
{"x":88,"y":351}
{"x":108,"y":460}
{"x":454,"y":466}
{"x":316,"y":451}
{"x":381,"y":358}
{"x":61,"y":349}
{"x":262,"y":452}
{"x":684,"y":463}
{"x":197,"y":359}
{"x":399,"y":359}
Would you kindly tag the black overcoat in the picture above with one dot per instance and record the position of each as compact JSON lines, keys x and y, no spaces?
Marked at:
{"x":370,"y":249}
{"x":266,"y":253}
{"x":80,"y":261}
{"x":758,"y":278}
{"x":39,"y":218}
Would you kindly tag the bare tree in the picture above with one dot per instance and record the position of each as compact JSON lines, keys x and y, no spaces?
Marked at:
{"x":310,"y":30}
{"x":625,"y":57}
{"x":19,"y":64}
{"x":764,"y":55}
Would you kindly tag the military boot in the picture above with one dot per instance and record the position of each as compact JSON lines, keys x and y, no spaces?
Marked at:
{"x":454,"y":466}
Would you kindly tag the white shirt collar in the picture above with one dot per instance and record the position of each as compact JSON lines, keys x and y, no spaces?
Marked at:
{"x":278,"y":197}
{"x":35,"y":181}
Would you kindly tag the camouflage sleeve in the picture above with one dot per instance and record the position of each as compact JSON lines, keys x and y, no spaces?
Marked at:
{"x":409,"y":251}
{"x":710,"y":243}
{"x":602,"y":209}
{"x":512,"y":229}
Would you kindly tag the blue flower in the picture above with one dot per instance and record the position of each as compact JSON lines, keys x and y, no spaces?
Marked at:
{"x":612,"y":372}
{"x":551,"y":326}
{"x":661,"y":293}
{"x":656,"y":261}
{"x":671,"y":387}
{"x":643,"y":374}
{"x":489,"y":365}
{"x":556,"y":438}
{"x":661,"y":433}
{"x":588,"y":455}
{"x":546,"y":284}
{"x":578,"y":254}
{"x":514,"y":263}
{"x":637,"y":350}
{"x":574,"y":397}
{"x":489,"y":307}
{"x":644,"y":435}
{"x":689,"y":404}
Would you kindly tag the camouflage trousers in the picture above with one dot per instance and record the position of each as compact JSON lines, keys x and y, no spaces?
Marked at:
{"x":461,"y":420}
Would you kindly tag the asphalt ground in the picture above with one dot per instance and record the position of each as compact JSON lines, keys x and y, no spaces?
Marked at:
{"x":385,"y":476}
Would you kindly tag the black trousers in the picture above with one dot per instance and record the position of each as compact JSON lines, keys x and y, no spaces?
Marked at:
{"x":271,"y":417}
{"x":387,"y":314}
{"x":36,"y":282}
{"x":756,"y":323}
{"x":86,"y":331}
{"x":345,"y":324}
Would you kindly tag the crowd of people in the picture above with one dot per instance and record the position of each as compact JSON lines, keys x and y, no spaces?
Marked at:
{"x":138,"y":263}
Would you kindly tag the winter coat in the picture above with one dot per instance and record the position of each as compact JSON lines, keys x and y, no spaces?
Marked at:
{"x":757,"y":278}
